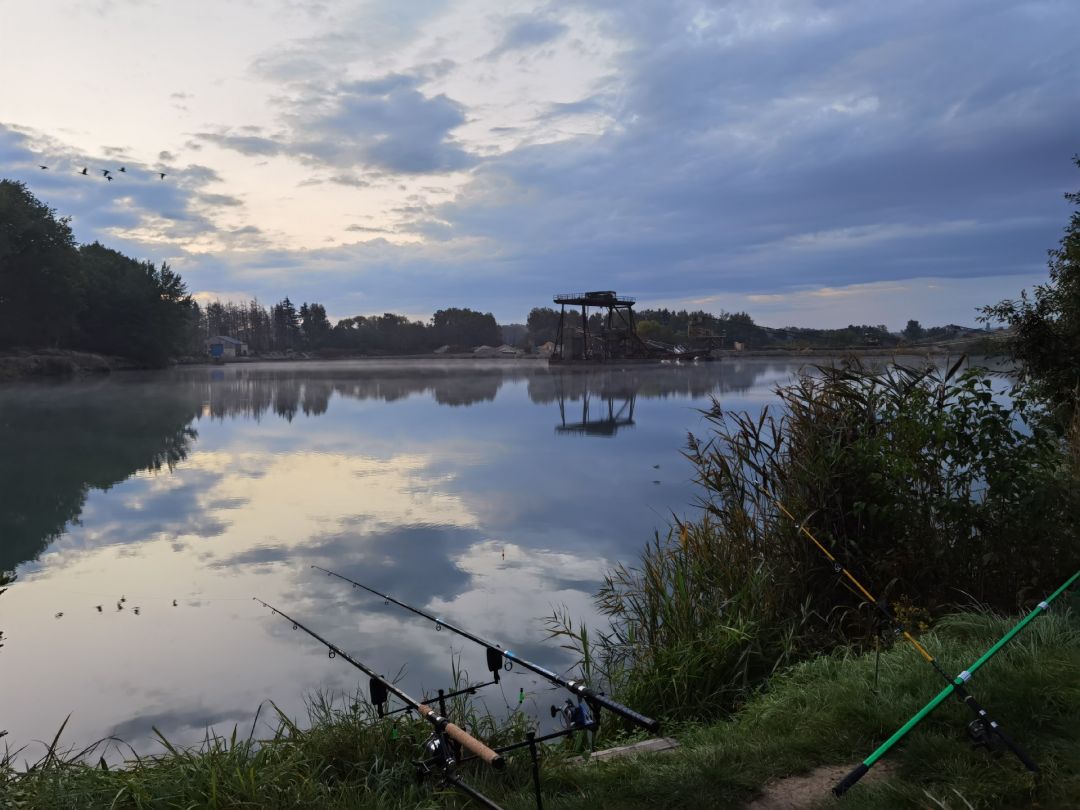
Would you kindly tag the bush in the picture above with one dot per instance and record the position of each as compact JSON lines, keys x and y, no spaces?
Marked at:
{"x":920,"y":481}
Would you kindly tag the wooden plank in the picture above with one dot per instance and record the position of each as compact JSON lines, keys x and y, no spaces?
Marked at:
{"x":652,"y":746}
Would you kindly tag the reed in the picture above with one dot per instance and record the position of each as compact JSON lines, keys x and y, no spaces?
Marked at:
{"x":938,"y":494}
{"x":828,"y":710}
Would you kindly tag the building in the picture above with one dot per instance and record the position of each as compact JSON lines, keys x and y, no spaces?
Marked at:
{"x":221,"y":346}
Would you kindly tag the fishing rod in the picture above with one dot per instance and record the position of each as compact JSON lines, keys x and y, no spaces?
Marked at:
{"x":860,"y":770}
{"x":435,"y":746}
{"x":957,"y":684}
{"x":496,"y":654}
{"x":984,"y":724}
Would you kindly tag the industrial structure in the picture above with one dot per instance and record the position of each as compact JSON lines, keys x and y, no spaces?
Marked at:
{"x":613,"y":337}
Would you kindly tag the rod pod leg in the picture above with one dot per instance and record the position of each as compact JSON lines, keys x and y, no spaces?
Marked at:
{"x":534,"y":754}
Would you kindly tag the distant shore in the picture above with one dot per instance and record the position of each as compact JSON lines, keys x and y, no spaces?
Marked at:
{"x":38,"y":363}
{"x":28,"y":364}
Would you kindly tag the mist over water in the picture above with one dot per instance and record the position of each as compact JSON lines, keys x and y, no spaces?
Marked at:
{"x":485,"y":493}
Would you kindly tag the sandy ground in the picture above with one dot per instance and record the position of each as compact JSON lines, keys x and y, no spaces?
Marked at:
{"x":809,"y":790}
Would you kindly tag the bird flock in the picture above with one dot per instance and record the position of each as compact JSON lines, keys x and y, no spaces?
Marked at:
{"x":120,"y":605}
{"x":108,"y":173}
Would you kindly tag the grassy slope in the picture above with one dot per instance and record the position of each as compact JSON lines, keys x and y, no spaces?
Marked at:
{"x":821,"y":712}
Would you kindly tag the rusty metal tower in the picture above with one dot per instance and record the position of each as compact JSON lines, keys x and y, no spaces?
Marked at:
{"x":617,"y":338}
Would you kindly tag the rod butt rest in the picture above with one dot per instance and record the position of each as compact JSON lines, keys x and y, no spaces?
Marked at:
{"x":845,"y":784}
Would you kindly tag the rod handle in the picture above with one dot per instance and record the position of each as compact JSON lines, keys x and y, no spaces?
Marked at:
{"x":469,"y":742}
{"x":623,"y":711}
{"x":845,"y":784}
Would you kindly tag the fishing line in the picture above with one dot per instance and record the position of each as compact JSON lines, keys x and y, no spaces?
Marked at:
{"x":956,"y":685}
{"x":981,"y":715}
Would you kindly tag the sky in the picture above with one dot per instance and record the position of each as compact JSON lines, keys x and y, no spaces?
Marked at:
{"x":811,"y":163}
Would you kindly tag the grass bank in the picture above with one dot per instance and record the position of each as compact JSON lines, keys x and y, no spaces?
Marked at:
{"x":820,"y":712}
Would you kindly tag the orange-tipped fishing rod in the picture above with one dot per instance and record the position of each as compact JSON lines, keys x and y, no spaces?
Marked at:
{"x":984,"y":724}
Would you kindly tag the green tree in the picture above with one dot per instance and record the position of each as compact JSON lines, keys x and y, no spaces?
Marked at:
{"x":40,"y":279}
{"x":1045,"y":326}
{"x":314,"y":324}
{"x":913,"y":330}
{"x":132,"y":308}
{"x":286,"y":325}
{"x":465,"y":327}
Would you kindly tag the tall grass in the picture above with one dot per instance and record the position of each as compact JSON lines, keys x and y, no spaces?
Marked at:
{"x":822,"y":711}
{"x":919,"y":479}
{"x":344,"y":756}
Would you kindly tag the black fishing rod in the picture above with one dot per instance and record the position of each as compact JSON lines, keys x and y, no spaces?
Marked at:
{"x":984,"y":725}
{"x":443,"y":727}
{"x":496,"y":654}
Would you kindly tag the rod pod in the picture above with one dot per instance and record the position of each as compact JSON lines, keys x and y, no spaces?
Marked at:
{"x":443,"y":728}
{"x":496,"y":654}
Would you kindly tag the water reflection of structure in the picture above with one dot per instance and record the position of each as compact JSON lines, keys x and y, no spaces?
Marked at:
{"x":63,"y":440}
{"x":606,"y":422}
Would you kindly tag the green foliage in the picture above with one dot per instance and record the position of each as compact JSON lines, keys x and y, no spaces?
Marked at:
{"x":913,"y":330}
{"x":314,"y":324}
{"x":542,"y":325}
{"x":921,"y":481}
{"x":54,"y":295}
{"x":40,"y":277}
{"x":829,"y":711}
{"x":285,"y":321}
{"x":1046,"y":326}
{"x":464,"y":327}
{"x":131,"y":308}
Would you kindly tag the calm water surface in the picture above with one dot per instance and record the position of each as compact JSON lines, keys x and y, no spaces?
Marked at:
{"x":486,"y":493}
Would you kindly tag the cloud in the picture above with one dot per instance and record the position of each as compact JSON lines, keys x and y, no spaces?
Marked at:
{"x":716,"y":152}
{"x":244,"y":144}
{"x":525,"y":32}
{"x":137,"y":212}
{"x":385,"y":123}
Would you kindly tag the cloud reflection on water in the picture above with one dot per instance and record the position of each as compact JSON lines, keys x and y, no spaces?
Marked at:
{"x":415,"y":478}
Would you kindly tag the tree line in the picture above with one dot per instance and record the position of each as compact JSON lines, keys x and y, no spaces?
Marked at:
{"x":56,"y":294}
{"x":725,"y":329}
{"x":285,"y":328}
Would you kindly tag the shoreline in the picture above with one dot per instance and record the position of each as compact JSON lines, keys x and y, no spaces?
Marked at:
{"x":36,"y":364}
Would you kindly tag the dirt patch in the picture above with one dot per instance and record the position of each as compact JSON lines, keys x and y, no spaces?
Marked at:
{"x":811,"y":789}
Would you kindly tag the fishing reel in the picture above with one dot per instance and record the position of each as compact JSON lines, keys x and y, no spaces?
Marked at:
{"x":982,"y":736}
{"x":438,"y":758}
{"x":573,"y":715}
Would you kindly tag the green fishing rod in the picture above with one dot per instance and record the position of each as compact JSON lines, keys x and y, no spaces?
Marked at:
{"x":496,"y":654}
{"x":983,"y":723}
{"x":435,"y":747}
{"x":957,"y":684}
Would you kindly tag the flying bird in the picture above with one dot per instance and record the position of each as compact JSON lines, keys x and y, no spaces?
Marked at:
{"x":174,"y":603}
{"x":105,"y":172}
{"x":59,"y":615}
{"x":42,"y":167}
{"x":99,"y":608}
{"x":83,"y":171}
{"x":123,"y":598}
{"x":108,"y":177}
{"x":162,"y":174}
{"x":136,"y":611}
{"x":119,"y":606}
{"x":123,"y":169}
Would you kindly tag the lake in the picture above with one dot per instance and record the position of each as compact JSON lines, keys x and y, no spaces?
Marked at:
{"x":488,"y":493}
